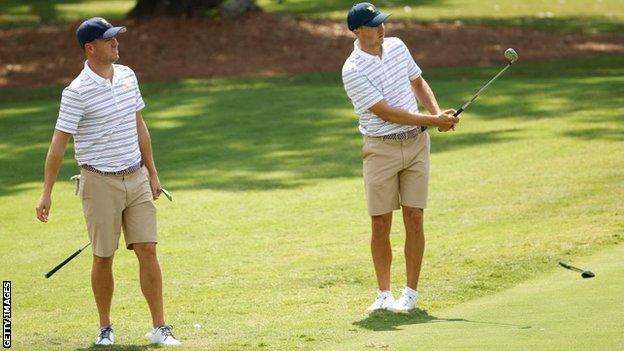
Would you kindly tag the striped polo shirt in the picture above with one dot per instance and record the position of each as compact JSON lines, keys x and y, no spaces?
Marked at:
{"x":101,"y":116}
{"x":369,"y":79}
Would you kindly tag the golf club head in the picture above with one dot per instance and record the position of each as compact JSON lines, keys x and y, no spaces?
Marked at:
{"x":511,"y":55}
{"x":587,"y":274}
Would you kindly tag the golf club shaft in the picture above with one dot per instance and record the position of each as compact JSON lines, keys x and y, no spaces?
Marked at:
{"x":60,"y":265}
{"x":571,"y":267}
{"x":461,"y":109}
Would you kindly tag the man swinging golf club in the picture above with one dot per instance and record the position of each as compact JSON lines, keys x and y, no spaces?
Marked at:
{"x":384,"y":83}
{"x":101,"y":110}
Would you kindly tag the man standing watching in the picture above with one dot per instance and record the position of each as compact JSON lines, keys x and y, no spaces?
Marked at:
{"x":118,"y":177}
{"x":384,"y":84}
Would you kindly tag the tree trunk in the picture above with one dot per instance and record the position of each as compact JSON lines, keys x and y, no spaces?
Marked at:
{"x":172,"y":8}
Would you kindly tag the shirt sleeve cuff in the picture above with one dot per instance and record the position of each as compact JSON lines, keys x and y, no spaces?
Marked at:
{"x":65,"y":130}
{"x":415,"y":76}
{"x":372,"y":103}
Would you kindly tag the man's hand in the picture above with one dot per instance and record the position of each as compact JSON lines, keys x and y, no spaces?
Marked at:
{"x":446,"y":120}
{"x":43,"y":208}
{"x":155,"y":185}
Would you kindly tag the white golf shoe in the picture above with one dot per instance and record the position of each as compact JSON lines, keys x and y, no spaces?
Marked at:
{"x":383,"y":301}
{"x":406,"y":302}
{"x":105,"y":336}
{"x":163,"y":336}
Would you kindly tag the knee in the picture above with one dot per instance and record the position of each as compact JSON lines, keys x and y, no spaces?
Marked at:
{"x":145,"y":250}
{"x":102,"y":262}
{"x":381,"y":225}
{"x":382,"y":220}
{"x":413,"y":214}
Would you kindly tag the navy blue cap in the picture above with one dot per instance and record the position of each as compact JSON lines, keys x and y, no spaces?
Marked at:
{"x":96,"y":28}
{"x":365,"y":14}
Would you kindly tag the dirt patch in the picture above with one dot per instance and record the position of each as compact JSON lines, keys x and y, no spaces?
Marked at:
{"x":263,"y":44}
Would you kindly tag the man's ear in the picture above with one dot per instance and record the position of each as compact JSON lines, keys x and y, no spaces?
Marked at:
{"x":88,"y":48}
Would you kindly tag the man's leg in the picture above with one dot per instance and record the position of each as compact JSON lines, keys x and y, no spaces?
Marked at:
{"x":151,"y":280}
{"x":381,"y":249}
{"x":103,"y":285}
{"x":414,"y":244}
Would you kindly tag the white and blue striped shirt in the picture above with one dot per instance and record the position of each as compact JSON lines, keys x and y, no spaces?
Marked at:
{"x":370,"y":79}
{"x":101,"y":116}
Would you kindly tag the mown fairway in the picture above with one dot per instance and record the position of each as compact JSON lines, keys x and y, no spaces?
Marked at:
{"x":266,"y":242}
{"x":556,"y":311}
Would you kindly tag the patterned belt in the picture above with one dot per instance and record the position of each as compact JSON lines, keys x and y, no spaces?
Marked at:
{"x":404,"y":135}
{"x":126,"y":171}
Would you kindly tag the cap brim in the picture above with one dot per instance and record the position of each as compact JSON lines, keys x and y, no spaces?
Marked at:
{"x":111,"y":32}
{"x":377,"y":20}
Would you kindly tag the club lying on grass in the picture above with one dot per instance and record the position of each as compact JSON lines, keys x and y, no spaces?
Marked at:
{"x":584,"y":273}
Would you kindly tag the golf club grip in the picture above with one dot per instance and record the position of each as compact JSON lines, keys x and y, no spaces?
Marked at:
{"x":454,"y":115}
{"x":60,"y":265}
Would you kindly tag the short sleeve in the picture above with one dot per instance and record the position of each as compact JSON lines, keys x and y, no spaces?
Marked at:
{"x":139,"y":103}
{"x":70,"y":112}
{"x":413,"y":71}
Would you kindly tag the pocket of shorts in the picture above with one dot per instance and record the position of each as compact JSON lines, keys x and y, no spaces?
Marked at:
{"x":366,"y":147}
{"x":81,"y":186}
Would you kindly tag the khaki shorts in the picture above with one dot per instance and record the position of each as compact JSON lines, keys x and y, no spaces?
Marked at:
{"x":396,"y":172}
{"x":111,"y":202}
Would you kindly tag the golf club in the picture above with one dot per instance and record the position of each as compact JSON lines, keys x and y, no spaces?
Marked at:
{"x":167,"y":194}
{"x":60,"y":265}
{"x":512,"y":56}
{"x":584,"y":273}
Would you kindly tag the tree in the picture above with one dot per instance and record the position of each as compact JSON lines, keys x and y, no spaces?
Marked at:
{"x":190,"y":8}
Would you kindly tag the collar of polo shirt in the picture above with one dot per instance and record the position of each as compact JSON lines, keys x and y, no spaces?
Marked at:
{"x":96,"y":77}
{"x":365,"y":55}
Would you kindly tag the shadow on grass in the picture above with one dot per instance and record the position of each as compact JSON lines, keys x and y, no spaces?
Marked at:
{"x":235,"y":135}
{"x":287,"y":132}
{"x":94,"y":347}
{"x":388,"y":321}
{"x":597,"y":133}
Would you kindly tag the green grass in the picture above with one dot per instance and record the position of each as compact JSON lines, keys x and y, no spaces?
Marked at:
{"x":558,"y":311}
{"x":266,"y":242}
{"x":560,"y":15}
{"x":563,"y":15}
{"x":22,"y":13}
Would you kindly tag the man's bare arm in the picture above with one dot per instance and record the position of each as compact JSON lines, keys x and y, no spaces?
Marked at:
{"x":145,"y":146}
{"x":388,"y":113}
{"x":425,"y":95}
{"x":53,"y":162}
